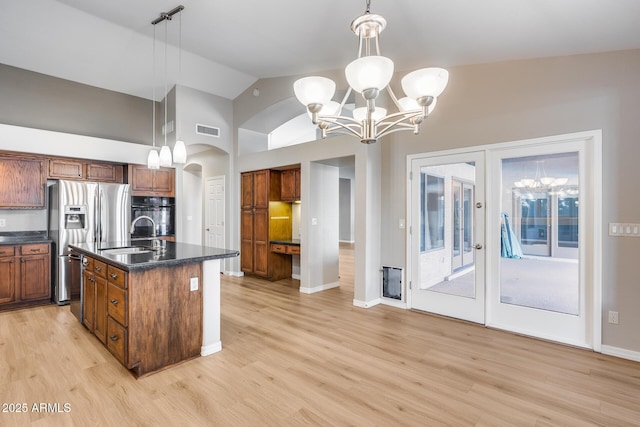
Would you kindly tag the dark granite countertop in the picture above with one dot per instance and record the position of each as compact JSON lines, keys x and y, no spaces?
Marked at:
{"x":175,"y":254}
{"x":23,"y":237}
{"x":294,"y":242}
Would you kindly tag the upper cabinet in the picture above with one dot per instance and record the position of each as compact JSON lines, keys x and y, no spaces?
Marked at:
{"x":290,"y":185}
{"x":85,"y":170}
{"x":23,"y":182}
{"x":151,"y":182}
{"x":260,"y":187}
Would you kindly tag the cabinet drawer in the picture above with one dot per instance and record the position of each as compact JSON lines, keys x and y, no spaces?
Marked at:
{"x":293,"y":250}
{"x":40,"y":248}
{"x":7,"y":250}
{"x":100,"y":268}
{"x":117,"y":340}
{"x":117,"y":276}
{"x":117,"y":303}
{"x":281,"y":249}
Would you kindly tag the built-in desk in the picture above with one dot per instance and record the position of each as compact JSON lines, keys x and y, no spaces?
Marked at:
{"x":287,"y":247}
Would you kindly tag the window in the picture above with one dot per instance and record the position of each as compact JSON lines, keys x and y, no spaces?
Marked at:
{"x":431,"y":212}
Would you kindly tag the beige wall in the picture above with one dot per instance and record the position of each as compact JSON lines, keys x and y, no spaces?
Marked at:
{"x":501,"y":102}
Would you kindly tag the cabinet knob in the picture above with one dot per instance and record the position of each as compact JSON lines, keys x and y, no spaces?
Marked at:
{"x":113,"y":338}
{"x":98,"y":268}
{"x":114,"y":301}
{"x":114,"y":276}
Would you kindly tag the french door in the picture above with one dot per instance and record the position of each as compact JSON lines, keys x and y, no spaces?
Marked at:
{"x":447,"y":225}
{"x":534,"y":240}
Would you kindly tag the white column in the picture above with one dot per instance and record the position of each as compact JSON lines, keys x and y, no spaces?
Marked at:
{"x":211,"y":342}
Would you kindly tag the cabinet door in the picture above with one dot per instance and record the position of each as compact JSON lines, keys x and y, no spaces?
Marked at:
{"x":100,"y":321}
{"x":104,"y":172}
{"x":261,"y":242}
{"x":7,"y":280}
{"x":296,"y":187}
{"x":247,"y":191}
{"x":23,"y":183}
{"x":261,"y":188}
{"x":141,"y":178}
{"x":163,"y":182}
{"x":66,"y":169}
{"x":246,"y":244}
{"x":35,"y":277}
{"x":287,"y":185}
{"x":89,"y":305}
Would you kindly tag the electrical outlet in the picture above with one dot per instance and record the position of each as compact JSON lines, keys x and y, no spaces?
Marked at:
{"x":3,"y":222}
{"x":194,"y":283}
{"x":613,"y":317}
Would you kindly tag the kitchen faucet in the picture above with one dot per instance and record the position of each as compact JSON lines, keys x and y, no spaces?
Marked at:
{"x":155,"y":243}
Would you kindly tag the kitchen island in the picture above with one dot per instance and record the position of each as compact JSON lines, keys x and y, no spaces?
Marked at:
{"x":152,"y":307}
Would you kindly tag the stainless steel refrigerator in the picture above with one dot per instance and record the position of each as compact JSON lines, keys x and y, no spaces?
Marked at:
{"x":83,"y":212}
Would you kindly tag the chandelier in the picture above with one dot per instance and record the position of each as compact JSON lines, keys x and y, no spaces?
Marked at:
{"x":541,"y":182}
{"x":368,"y":75}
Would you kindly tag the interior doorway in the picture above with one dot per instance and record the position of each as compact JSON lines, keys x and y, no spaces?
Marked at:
{"x":214,"y":212}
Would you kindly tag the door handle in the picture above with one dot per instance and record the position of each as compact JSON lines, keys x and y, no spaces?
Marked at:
{"x":478,"y":246}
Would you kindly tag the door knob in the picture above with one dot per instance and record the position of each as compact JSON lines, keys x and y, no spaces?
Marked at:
{"x":478,"y":246}
{"x":478,"y":205}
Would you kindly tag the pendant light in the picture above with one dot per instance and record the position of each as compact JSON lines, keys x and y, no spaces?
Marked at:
{"x":179,"y":150}
{"x":165,"y":152}
{"x":153,"y":160}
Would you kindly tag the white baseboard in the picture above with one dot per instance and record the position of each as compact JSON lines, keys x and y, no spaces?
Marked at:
{"x":346,"y":241}
{"x":234,"y":273}
{"x":367,"y":304}
{"x":211,"y":348}
{"x":393,"y":302}
{"x":621,"y":352}
{"x":319,"y":288}
{"x":296,"y":276}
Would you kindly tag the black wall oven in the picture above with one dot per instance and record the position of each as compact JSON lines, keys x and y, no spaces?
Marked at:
{"x":161,"y":209}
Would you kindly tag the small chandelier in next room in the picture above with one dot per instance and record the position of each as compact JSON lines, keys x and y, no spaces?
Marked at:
{"x":368,"y":75}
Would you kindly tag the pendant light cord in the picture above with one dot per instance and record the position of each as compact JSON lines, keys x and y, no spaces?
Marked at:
{"x":153,"y":84}
{"x":166,"y":95}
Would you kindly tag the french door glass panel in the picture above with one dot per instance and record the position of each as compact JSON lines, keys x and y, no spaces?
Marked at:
{"x":448,"y":277}
{"x":537,"y":287}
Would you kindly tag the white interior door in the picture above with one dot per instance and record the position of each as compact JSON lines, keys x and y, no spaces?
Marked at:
{"x":444,"y":279}
{"x":214,"y":212}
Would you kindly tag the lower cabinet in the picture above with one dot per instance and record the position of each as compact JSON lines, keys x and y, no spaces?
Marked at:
{"x":25,"y":275}
{"x":105,"y":303}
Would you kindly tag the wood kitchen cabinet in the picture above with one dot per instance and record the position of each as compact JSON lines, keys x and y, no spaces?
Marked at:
{"x":290,"y":185}
{"x":151,"y":182}
{"x":25,"y":275}
{"x":23,"y":182}
{"x":261,"y":221}
{"x":61,"y":168}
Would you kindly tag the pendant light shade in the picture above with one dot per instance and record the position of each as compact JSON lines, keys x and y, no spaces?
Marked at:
{"x":179,"y":153}
{"x":153,"y":160}
{"x":165,"y":156}
{"x":369,"y":72}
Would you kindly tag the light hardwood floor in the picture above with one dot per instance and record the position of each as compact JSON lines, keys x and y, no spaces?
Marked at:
{"x":295,"y":359}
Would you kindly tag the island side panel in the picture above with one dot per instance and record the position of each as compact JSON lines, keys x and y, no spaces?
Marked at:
{"x":165,"y":323}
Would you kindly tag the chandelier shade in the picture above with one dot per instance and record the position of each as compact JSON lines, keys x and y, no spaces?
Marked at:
{"x":360,"y":113}
{"x":369,"y":72}
{"x":368,"y":75}
{"x":425,"y":82}
{"x":314,"y":90}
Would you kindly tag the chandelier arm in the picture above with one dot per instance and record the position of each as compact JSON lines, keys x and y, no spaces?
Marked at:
{"x":348,"y":128}
{"x":393,"y":97}
{"x":406,"y":114}
{"x":398,"y":123}
{"x":398,"y":129}
{"x":377,"y":43}
{"x":336,"y":119}
{"x":346,"y":96}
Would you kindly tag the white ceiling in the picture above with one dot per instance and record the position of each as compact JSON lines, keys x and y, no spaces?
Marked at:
{"x":227,"y":45}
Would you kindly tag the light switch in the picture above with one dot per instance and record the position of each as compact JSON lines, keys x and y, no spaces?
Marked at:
{"x":401,"y":223}
{"x":314,"y":221}
{"x":194,"y":283}
{"x":617,"y":229}
{"x":3,"y":222}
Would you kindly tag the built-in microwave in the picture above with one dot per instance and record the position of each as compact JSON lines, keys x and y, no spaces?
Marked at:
{"x":161,"y":209}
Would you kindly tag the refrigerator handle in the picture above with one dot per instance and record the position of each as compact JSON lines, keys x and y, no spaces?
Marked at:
{"x":96,"y":215}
